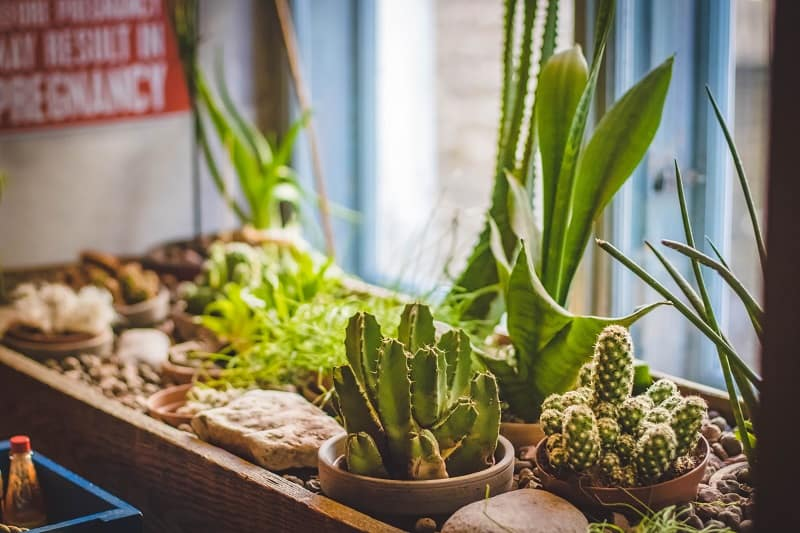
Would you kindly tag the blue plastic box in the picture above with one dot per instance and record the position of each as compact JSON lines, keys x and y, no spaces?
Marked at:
{"x":73,"y":504}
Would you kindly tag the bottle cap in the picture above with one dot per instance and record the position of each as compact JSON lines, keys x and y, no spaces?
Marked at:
{"x":20,"y":444}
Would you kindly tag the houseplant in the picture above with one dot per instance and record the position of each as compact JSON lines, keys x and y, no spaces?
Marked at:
{"x":526,"y":269}
{"x":607,"y":448}
{"x":742,"y":382}
{"x":422,"y":427}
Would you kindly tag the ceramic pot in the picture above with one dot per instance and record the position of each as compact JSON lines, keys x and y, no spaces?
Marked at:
{"x":147,"y":313}
{"x":400,"y":498}
{"x":41,"y":347}
{"x":522,"y":434}
{"x":629,"y":501}
{"x":163,"y":404}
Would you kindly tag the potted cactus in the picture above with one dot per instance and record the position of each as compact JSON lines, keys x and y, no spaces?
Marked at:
{"x":422,"y":427}
{"x":608,"y":448}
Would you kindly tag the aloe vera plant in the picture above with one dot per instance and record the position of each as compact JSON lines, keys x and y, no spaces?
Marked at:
{"x":412,"y":406}
{"x":529,"y":268}
{"x":739,"y":378}
{"x":266,"y":181}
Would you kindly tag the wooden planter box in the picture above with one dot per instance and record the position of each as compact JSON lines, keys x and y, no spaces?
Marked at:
{"x":180,"y":483}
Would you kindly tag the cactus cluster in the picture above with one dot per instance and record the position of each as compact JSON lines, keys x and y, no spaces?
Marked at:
{"x":619,"y":439}
{"x":412,"y":406}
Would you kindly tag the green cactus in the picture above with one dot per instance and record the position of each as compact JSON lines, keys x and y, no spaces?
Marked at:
{"x":657,"y":415}
{"x":556,"y":440}
{"x":687,"y":418}
{"x":606,"y":410}
{"x":555,"y":402}
{"x":608,"y":429}
{"x":585,"y":375}
{"x":655,"y":450}
{"x":671,"y":403}
{"x":632,"y":412}
{"x":613,"y":365}
{"x":551,"y":421}
{"x":579,"y":396}
{"x":558,"y":457}
{"x":609,"y":461}
{"x":420,"y":414}
{"x":581,"y":439}
{"x":625,"y":447}
{"x":682,"y":465}
{"x":662,"y":390}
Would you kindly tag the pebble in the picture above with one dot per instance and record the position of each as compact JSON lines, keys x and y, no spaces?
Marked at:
{"x":730,"y":518}
{"x":720,"y":422}
{"x":746,"y":526}
{"x":187,"y":428}
{"x":715,"y":524}
{"x":425,"y":525}
{"x":731,"y":444}
{"x":708,"y":495}
{"x":711,"y":432}
{"x":708,"y":511}
{"x":313,"y":485}
{"x":71,"y":363}
{"x":731,"y":497}
{"x":728,"y":485}
{"x":719,"y":451}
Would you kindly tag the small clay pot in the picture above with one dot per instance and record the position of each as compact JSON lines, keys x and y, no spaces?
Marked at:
{"x":522,"y":434}
{"x":629,"y":501}
{"x":163,"y":404}
{"x":147,"y":313}
{"x":400,"y":498}
{"x":40,"y":346}
{"x":180,"y":374}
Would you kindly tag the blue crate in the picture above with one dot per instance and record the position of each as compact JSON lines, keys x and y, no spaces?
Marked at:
{"x":73,"y":504}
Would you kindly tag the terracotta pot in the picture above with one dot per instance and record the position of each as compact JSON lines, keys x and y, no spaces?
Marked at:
{"x":393,"y":498}
{"x":147,"y":313}
{"x":185,"y":268}
{"x":522,"y":434}
{"x":625,"y":500}
{"x":40,"y":346}
{"x":163,"y":404}
{"x":180,"y":374}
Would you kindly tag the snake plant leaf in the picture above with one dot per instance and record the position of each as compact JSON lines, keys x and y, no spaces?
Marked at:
{"x":523,"y":219}
{"x":561,"y":83}
{"x":416,"y":327}
{"x":551,"y":342}
{"x":457,"y":349}
{"x":363,"y":457}
{"x":428,"y":385}
{"x":394,"y":400}
{"x":476,"y":451}
{"x":615,"y":149}
{"x":499,"y":254}
{"x":358,"y":414}
{"x":363,"y":342}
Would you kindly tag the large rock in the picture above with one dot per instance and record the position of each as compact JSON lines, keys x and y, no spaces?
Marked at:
{"x":521,"y":511}
{"x":275,"y":429}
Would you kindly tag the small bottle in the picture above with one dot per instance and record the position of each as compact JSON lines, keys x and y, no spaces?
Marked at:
{"x":23,"y":504}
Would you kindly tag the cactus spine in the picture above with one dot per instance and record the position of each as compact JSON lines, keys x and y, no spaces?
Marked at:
{"x":613,"y":365}
{"x":412,"y":407}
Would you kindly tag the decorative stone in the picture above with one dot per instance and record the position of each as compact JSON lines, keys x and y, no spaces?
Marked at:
{"x":425,"y":525}
{"x":719,"y":451}
{"x":276,"y":429}
{"x":720,"y":422}
{"x":731,"y":444}
{"x":708,"y":495}
{"x":711,"y":432}
{"x":521,"y":511}
{"x":746,"y":526}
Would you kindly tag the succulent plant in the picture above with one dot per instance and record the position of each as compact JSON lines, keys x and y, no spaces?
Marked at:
{"x":655,"y":450}
{"x":554,"y":401}
{"x":613,"y":365}
{"x":412,"y":406}
{"x":585,"y":375}
{"x":551,"y":421}
{"x":137,"y":284}
{"x":683,"y":464}
{"x":608,"y":429}
{"x":625,"y":447}
{"x":632,"y":412}
{"x":606,"y":409}
{"x":608,"y":462}
{"x":657,"y":415}
{"x":581,"y":438}
{"x":661,"y":390}
{"x":687,"y":418}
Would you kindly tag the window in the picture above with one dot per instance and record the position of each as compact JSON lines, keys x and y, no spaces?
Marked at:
{"x":406,"y":96}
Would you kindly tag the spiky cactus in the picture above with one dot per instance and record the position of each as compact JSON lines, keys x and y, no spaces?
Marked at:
{"x":608,"y":429}
{"x":625,"y":447}
{"x":412,"y":407}
{"x":585,"y":375}
{"x":581,"y":439}
{"x":632,"y":412}
{"x":661,"y":390}
{"x":655,"y":450}
{"x":551,"y":421}
{"x":613,"y":365}
{"x":687,"y":418}
{"x":671,"y":403}
{"x":606,"y":410}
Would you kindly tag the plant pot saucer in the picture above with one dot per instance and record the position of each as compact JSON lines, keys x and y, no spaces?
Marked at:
{"x":402,"y":498}
{"x":147,"y":313}
{"x":164,"y":404}
{"x":40,"y":346}
{"x":630,"y":501}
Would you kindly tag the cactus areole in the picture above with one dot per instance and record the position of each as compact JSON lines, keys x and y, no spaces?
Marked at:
{"x":412,"y":406}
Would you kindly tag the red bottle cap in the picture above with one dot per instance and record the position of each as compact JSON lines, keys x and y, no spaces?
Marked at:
{"x":20,"y":444}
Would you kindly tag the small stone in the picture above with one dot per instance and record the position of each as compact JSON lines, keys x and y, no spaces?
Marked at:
{"x":71,"y":363}
{"x":715,"y":462}
{"x":524,"y":483}
{"x":52,"y":364}
{"x":730,"y":519}
{"x":89,"y":361}
{"x":745,"y":490}
{"x":720,"y":422}
{"x":294,"y":479}
{"x":520,"y":465}
{"x":727,"y":485}
{"x":711,"y":432}
{"x":74,"y":374}
{"x":731,"y":497}
{"x":746,"y":526}
{"x":148,"y":374}
{"x":313,"y":485}
{"x":719,"y":451}
{"x":187,"y":428}
{"x":150,"y":388}
{"x":425,"y":525}
{"x":731,"y":444}
{"x":526,"y":473}
{"x":708,"y":495}
{"x":708,"y":511}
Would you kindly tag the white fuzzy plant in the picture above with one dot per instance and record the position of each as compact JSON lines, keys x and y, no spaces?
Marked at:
{"x":54,"y":308}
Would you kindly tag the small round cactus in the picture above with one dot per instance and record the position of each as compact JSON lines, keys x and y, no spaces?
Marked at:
{"x":581,"y":438}
{"x":558,"y":458}
{"x":613,"y":365}
{"x":672,"y":402}
{"x":585,"y":375}
{"x":555,"y":440}
{"x":687,"y":418}
{"x":606,"y":410}
{"x":608,"y":429}
{"x":554,"y":401}
{"x":625,"y":447}
{"x":654,"y":452}
{"x":661,"y":390}
{"x":551,"y":421}
{"x":608,"y":462}
{"x":632,"y":412}
{"x":657,"y":415}
{"x":579,"y":396}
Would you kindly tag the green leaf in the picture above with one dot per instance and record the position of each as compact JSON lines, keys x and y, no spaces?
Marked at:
{"x":499,"y":253}
{"x":615,"y":149}
{"x":551,"y":343}
{"x":523,"y":219}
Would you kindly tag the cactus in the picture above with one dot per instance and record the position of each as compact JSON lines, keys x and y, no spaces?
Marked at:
{"x":606,"y":410}
{"x":655,"y":450}
{"x":632,"y":412}
{"x":581,"y":439}
{"x":137,"y":284}
{"x":412,"y":407}
{"x":551,"y":421}
{"x":556,"y":440}
{"x":613,"y":365}
{"x":687,"y":418}
{"x":657,"y":415}
{"x":559,"y":458}
{"x":608,"y":429}
{"x":682,"y":465}
{"x":625,"y":447}
{"x":672,"y":402}
{"x":585,"y":375}
{"x":554,"y":401}
{"x":661,"y":390}
{"x":609,"y":461}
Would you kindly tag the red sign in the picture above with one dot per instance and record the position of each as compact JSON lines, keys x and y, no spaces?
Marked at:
{"x":77,"y":61}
